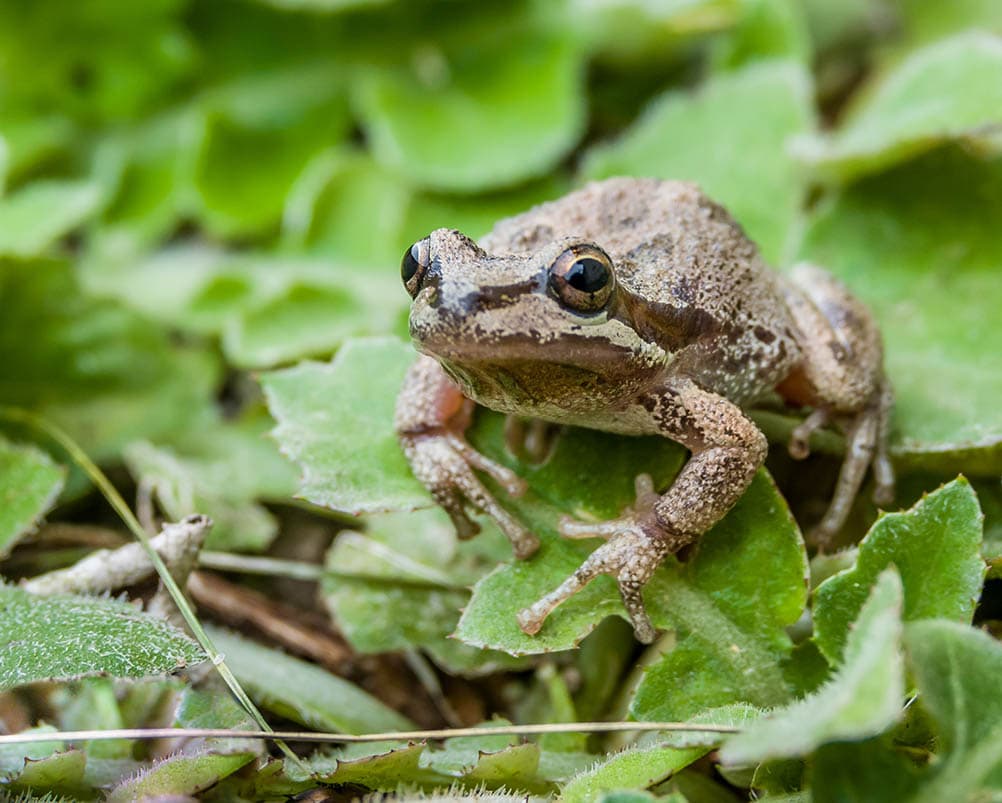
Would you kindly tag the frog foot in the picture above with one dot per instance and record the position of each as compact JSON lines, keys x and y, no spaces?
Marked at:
{"x":444,"y":462}
{"x":634,"y":548}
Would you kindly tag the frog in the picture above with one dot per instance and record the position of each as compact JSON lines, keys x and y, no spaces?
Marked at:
{"x":635,"y":306}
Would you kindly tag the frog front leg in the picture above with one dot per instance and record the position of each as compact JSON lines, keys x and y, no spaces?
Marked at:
{"x":431,"y":417}
{"x":727,"y":449}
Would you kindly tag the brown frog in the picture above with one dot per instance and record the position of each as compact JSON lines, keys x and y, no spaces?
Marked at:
{"x":640,"y":307}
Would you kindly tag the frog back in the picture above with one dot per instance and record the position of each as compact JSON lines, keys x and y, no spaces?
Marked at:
{"x":695,"y":283}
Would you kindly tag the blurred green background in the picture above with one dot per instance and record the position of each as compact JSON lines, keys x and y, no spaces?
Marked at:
{"x":197,"y":189}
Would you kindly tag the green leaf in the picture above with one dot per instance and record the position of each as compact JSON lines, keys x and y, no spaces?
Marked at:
{"x":382,"y":771}
{"x":211,"y":475}
{"x":476,"y":119}
{"x":951,"y":89}
{"x":59,"y":773}
{"x":180,"y":775}
{"x":868,"y":770}
{"x":935,"y":546}
{"x":275,"y":122}
{"x":692,"y":137}
{"x":638,"y":33}
{"x":98,"y":370}
{"x":330,"y":415}
{"x":957,"y":670}
{"x":30,"y":482}
{"x":767,"y":29}
{"x":269,"y":309}
{"x":920,"y":245}
{"x":46,"y":638}
{"x":634,"y":768}
{"x":13,"y":756}
{"x":150,"y":168}
{"x":403,"y":584}
{"x":302,"y":691}
{"x":926,"y":22}
{"x":35,"y":217}
{"x":862,"y":699}
{"x":33,"y":140}
{"x":51,"y":60}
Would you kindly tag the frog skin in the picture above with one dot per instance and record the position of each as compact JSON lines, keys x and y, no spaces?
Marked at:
{"x":634,"y":306}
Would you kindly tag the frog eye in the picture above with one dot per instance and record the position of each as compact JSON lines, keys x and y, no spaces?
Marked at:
{"x":416,"y":260}
{"x":581,"y":278}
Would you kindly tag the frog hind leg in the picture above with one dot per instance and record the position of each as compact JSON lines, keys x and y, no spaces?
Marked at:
{"x":844,"y":380}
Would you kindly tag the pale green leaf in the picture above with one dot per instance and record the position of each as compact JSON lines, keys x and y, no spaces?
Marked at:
{"x":957,"y":669}
{"x":936,"y":548}
{"x":13,"y":756}
{"x":920,"y":245}
{"x":634,"y":768}
{"x":29,"y":483}
{"x":302,"y":691}
{"x":180,"y":775}
{"x":269,"y":309}
{"x":221,"y":472}
{"x":61,"y":773}
{"x":862,"y":699}
{"x":404,"y":582}
{"x":691,"y":136}
{"x":949,"y":90}
{"x":331,"y":415}
{"x":383,"y":771}
{"x":926,"y":22}
{"x":478,"y":119}
{"x":638,"y":32}
{"x":35,"y":217}
{"x":44,"y":638}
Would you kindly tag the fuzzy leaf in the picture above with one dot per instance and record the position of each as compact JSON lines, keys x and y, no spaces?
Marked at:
{"x":64,"y":637}
{"x":951,"y":89}
{"x":936,"y":548}
{"x":862,"y":699}
{"x":29,"y":483}
{"x":920,"y":245}
{"x":691,"y":137}
{"x":180,"y":775}
{"x":957,"y":670}
{"x":330,"y":415}
{"x":634,"y":768}
{"x":491,"y":119}
{"x":302,"y":691}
